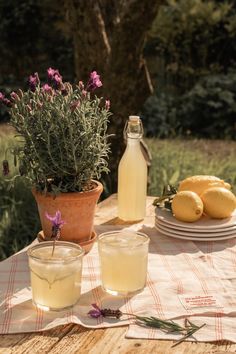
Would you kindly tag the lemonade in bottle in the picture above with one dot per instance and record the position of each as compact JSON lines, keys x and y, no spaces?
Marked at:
{"x":132,"y":174}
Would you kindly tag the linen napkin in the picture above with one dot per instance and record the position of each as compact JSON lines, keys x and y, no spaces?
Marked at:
{"x":185,"y":279}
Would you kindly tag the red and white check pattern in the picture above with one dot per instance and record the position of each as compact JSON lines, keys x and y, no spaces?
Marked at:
{"x":176,"y":267}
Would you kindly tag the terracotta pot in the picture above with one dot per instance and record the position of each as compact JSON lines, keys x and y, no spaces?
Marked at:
{"x":77,"y":210}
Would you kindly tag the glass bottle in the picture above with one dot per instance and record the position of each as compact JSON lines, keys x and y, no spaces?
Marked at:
{"x":132,"y":174}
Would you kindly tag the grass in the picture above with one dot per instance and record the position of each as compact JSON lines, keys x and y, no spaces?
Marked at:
{"x":19,"y":221}
{"x":172,"y":161}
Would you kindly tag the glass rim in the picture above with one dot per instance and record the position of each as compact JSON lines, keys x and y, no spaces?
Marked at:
{"x":108,"y":233}
{"x":60,"y":244}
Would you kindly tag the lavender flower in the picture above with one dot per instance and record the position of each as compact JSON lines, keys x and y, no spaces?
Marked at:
{"x":64,"y":90}
{"x":97,"y":312}
{"x":47,"y":88}
{"x":58,"y":81}
{"x":5,"y":168}
{"x":14,"y":96}
{"x":94,"y":81}
{"x":107,"y":105}
{"x":51,"y":73}
{"x":4,"y":100}
{"x":57,"y":224}
{"x":7,"y":102}
{"x":33,"y":81}
{"x":55,"y":77}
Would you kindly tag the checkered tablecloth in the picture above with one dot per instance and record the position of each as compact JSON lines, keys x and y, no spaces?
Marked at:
{"x":179,"y":272}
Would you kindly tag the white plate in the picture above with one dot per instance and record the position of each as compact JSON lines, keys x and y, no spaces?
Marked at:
{"x":229,"y":229}
{"x":196,"y":234}
{"x":194,"y":238}
{"x":203,"y":224}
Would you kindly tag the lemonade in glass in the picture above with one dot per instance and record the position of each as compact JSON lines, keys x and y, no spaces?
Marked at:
{"x":55,"y":275}
{"x":123,"y":261}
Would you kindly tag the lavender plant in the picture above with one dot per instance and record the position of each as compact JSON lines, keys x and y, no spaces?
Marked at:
{"x":62,"y":132}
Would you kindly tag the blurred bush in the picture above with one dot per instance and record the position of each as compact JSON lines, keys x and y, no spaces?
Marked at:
{"x":160,"y":117}
{"x":192,"y":52}
{"x":33,"y":37}
{"x":19,"y":221}
{"x":208,"y":110}
{"x":194,"y":38}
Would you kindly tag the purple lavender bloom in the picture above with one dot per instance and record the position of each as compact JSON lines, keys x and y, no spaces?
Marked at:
{"x":55,"y":77}
{"x":47,"y":88}
{"x":94,"y":81}
{"x":107,"y":105}
{"x":57,"y":81}
{"x":64,"y":90}
{"x":96,"y":313}
{"x":4,"y":100}
{"x":14,"y":96}
{"x":57,"y":224}
{"x":52,"y":72}
{"x":7,"y":102}
{"x":33,"y":81}
{"x":5,"y":168}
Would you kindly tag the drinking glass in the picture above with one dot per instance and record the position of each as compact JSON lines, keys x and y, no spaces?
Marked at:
{"x":55,"y":275}
{"x":123,"y":261}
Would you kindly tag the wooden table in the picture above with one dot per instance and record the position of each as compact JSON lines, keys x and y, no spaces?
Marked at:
{"x":76,"y":339}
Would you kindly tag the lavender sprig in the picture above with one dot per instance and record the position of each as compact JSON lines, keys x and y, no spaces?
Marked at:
{"x":57,"y":224}
{"x":167,"y":326}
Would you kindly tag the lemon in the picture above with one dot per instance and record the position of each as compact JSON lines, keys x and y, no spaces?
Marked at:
{"x":219,"y":203}
{"x":199,"y":184}
{"x":187,"y":206}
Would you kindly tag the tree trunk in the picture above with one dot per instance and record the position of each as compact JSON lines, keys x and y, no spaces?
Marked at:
{"x":109,"y":36}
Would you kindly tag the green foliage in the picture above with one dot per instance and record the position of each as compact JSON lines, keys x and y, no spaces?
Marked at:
{"x":194,"y":38}
{"x":19,"y":222}
{"x":208,"y":110}
{"x":62,"y":138}
{"x":160,"y":117}
{"x":33,"y":31}
{"x":19,"y":20}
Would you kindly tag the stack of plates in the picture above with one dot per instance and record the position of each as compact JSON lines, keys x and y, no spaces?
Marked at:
{"x":205,"y":229}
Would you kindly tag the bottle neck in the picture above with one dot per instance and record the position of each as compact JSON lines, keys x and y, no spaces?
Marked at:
{"x":133,"y":141}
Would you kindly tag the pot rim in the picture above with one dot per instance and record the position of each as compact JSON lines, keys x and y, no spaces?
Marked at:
{"x":71,"y":195}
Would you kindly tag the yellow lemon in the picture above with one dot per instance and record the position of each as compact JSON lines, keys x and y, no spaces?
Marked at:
{"x":199,"y":184}
{"x":218,"y":202}
{"x":187,"y":206}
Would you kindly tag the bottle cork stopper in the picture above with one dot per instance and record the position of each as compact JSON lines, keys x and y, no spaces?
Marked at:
{"x":134,"y":119}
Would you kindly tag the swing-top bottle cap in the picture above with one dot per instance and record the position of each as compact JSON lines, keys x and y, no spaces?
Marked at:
{"x":134,"y":119}
{"x":133,"y":128}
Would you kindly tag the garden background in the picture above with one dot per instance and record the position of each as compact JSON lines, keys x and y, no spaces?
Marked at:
{"x":172,"y":62}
